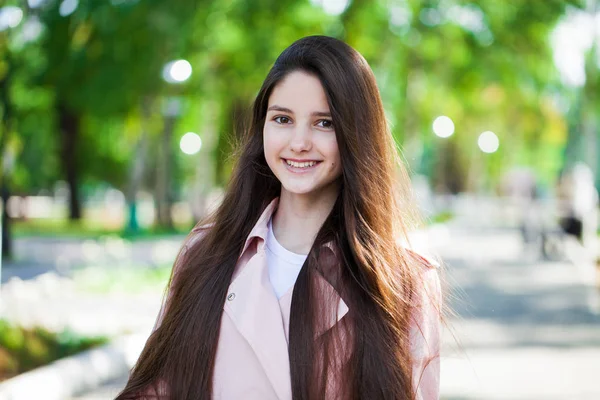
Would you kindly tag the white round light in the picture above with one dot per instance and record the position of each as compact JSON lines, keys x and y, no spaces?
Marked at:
{"x":67,"y":7}
{"x":488,"y":142}
{"x":177,"y":71}
{"x":443,"y":126}
{"x":332,"y":7}
{"x":32,"y":29}
{"x":10,"y":17}
{"x":35,"y":3}
{"x":190,"y":143}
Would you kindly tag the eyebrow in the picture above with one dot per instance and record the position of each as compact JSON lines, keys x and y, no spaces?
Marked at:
{"x":287,"y":110}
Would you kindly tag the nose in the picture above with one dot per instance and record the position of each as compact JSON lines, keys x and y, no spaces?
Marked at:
{"x":301,"y":140}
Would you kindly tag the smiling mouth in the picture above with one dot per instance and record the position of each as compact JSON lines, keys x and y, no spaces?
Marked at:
{"x":301,"y":165}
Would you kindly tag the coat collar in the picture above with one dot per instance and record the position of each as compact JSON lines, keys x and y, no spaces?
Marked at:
{"x":261,"y":318}
{"x":261,"y":228}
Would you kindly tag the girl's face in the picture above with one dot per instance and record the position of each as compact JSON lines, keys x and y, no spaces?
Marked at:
{"x":299,"y":137}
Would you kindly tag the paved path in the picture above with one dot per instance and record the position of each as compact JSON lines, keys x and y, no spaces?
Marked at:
{"x":35,"y":256}
{"x":108,"y":391}
{"x":527,"y":329}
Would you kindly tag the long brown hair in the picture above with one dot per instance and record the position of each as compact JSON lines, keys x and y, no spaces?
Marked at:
{"x":367,"y":354}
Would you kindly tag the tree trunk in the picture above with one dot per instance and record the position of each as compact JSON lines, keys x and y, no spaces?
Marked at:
{"x":6,"y":232}
{"x":6,"y":167}
{"x":69,"y":131}
{"x":163,"y":175}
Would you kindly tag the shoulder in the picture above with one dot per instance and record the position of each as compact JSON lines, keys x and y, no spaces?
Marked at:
{"x":195,"y":236}
{"x":197,"y":233}
{"x":202,"y":228}
{"x":426,"y":313}
{"x":427,"y":262}
{"x":427,"y":269}
{"x":427,"y":288}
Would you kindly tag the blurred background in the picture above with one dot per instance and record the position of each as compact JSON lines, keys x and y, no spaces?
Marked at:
{"x":117,"y":119}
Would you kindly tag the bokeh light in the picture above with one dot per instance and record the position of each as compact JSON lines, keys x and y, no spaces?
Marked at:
{"x":10,"y":17}
{"x":190,"y":143}
{"x":571,"y":39}
{"x":443,"y":126}
{"x":488,"y":142}
{"x":35,"y":3}
{"x":67,"y":7}
{"x":177,"y":71}
{"x":332,"y":7}
{"x":31,"y":30}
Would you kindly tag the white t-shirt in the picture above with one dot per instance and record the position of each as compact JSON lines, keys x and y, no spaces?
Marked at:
{"x":284,"y":266}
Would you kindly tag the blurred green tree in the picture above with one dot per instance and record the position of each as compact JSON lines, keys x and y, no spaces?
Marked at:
{"x":103,"y":61}
{"x":487,"y":65}
{"x":88,"y":100}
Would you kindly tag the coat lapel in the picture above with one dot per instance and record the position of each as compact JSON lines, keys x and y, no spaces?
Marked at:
{"x":285,"y":303}
{"x":261,"y":318}
{"x":254,"y":309}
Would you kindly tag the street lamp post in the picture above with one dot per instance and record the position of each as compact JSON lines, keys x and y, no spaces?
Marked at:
{"x":174,"y":72}
{"x":443,"y":127}
{"x":488,"y":143}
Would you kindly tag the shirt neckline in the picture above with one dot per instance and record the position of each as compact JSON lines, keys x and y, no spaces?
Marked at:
{"x":277,"y":249}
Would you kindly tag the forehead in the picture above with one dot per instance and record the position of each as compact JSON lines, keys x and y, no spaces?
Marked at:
{"x":300,"y":91}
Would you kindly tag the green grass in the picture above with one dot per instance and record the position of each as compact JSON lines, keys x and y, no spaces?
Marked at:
{"x":130,"y":280}
{"x":59,"y":227}
{"x":23,"y":349}
{"x":441,"y":217}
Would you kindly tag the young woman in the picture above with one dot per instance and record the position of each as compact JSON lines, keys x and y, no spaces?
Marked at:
{"x":297,"y":286}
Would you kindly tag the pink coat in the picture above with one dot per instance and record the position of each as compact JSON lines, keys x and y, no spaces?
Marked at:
{"x":252,"y":355}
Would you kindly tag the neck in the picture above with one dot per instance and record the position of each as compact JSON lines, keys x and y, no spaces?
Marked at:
{"x":299,"y":217}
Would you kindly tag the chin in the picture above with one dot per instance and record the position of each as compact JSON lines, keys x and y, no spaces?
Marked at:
{"x":299,"y":190}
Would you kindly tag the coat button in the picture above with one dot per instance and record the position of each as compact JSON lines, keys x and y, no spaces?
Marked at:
{"x":231,"y":297}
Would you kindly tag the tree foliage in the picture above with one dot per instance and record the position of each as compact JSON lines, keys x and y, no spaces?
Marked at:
{"x":78,"y":90}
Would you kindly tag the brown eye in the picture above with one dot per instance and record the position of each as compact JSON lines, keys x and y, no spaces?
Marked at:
{"x":325,"y":123}
{"x":282,"y":120}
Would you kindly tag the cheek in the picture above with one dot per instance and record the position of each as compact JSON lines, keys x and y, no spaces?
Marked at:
{"x":333,"y":154}
{"x":337,"y":167}
{"x":271,"y":143}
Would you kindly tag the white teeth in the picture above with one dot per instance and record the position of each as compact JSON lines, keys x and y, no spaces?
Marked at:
{"x":305,"y":164}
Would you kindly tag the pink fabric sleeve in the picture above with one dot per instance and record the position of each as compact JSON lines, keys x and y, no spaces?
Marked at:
{"x":425,"y":338}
